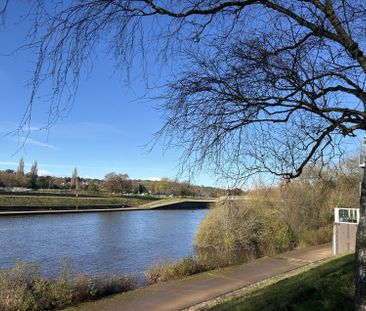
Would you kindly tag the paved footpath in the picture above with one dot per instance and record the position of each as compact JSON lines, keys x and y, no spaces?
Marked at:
{"x":182,"y":294}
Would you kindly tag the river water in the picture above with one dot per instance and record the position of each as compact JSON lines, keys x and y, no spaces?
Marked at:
{"x":98,"y":243}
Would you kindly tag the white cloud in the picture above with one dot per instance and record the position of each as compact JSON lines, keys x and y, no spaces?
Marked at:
{"x":5,"y":163}
{"x":47,"y":173}
{"x":154,"y":178}
{"x":31,"y":141}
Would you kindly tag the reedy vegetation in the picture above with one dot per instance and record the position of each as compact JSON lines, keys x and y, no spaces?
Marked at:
{"x":23,"y":289}
{"x":166,"y":271}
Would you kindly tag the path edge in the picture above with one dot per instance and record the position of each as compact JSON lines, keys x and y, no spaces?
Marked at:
{"x":247,"y":290}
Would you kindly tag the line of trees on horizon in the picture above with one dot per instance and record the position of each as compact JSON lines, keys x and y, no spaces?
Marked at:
{"x":114,"y":183}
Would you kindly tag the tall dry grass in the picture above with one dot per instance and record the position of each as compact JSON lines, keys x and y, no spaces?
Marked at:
{"x":166,"y":271}
{"x":23,"y":289}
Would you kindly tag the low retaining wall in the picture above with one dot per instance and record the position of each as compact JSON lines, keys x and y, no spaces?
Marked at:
{"x":57,"y":208}
{"x":186,"y":205}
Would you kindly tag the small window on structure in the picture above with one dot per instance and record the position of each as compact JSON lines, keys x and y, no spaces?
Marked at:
{"x":348,"y":215}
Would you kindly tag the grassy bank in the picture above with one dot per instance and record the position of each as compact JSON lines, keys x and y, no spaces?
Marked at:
{"x":326,"y":287}
{"x":15,"y":201}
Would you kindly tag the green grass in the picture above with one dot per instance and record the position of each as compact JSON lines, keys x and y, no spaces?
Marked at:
{"x":326,"y":287}
{"x":40,"y":201}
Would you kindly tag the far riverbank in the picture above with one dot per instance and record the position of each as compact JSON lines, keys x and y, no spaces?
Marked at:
{"x":22,"y":204}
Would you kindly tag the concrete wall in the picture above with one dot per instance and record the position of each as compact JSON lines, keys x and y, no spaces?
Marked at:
{"x":187,"y":205}
{"x":344,"y":237}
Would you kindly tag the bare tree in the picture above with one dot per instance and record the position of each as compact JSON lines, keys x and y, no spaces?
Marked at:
{"x":117,"y":183}
{"x":271,"y":86}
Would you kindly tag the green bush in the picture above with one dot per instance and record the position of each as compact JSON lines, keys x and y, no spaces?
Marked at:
{"x":235,"y":230}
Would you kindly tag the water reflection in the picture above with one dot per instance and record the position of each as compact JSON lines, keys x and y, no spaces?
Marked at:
{"x":98,"y":243}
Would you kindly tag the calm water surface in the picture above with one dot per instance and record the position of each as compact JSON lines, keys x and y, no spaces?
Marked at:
{"x":98,"y":243}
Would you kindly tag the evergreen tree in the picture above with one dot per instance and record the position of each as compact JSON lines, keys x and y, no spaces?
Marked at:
{"x":20,"y":180}
{"x":74,"y":179}
{"x":34,"y":169}
{"x":20,"y":169}
{"x":33,"y":174}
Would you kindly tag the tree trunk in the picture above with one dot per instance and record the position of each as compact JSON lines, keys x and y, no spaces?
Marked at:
{"x":360,"y":265}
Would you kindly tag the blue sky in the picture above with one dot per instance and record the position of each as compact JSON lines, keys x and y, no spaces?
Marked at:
{"x":105,"y":131}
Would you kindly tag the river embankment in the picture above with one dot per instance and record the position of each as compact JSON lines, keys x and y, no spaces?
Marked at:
{"x":29,"y":203}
